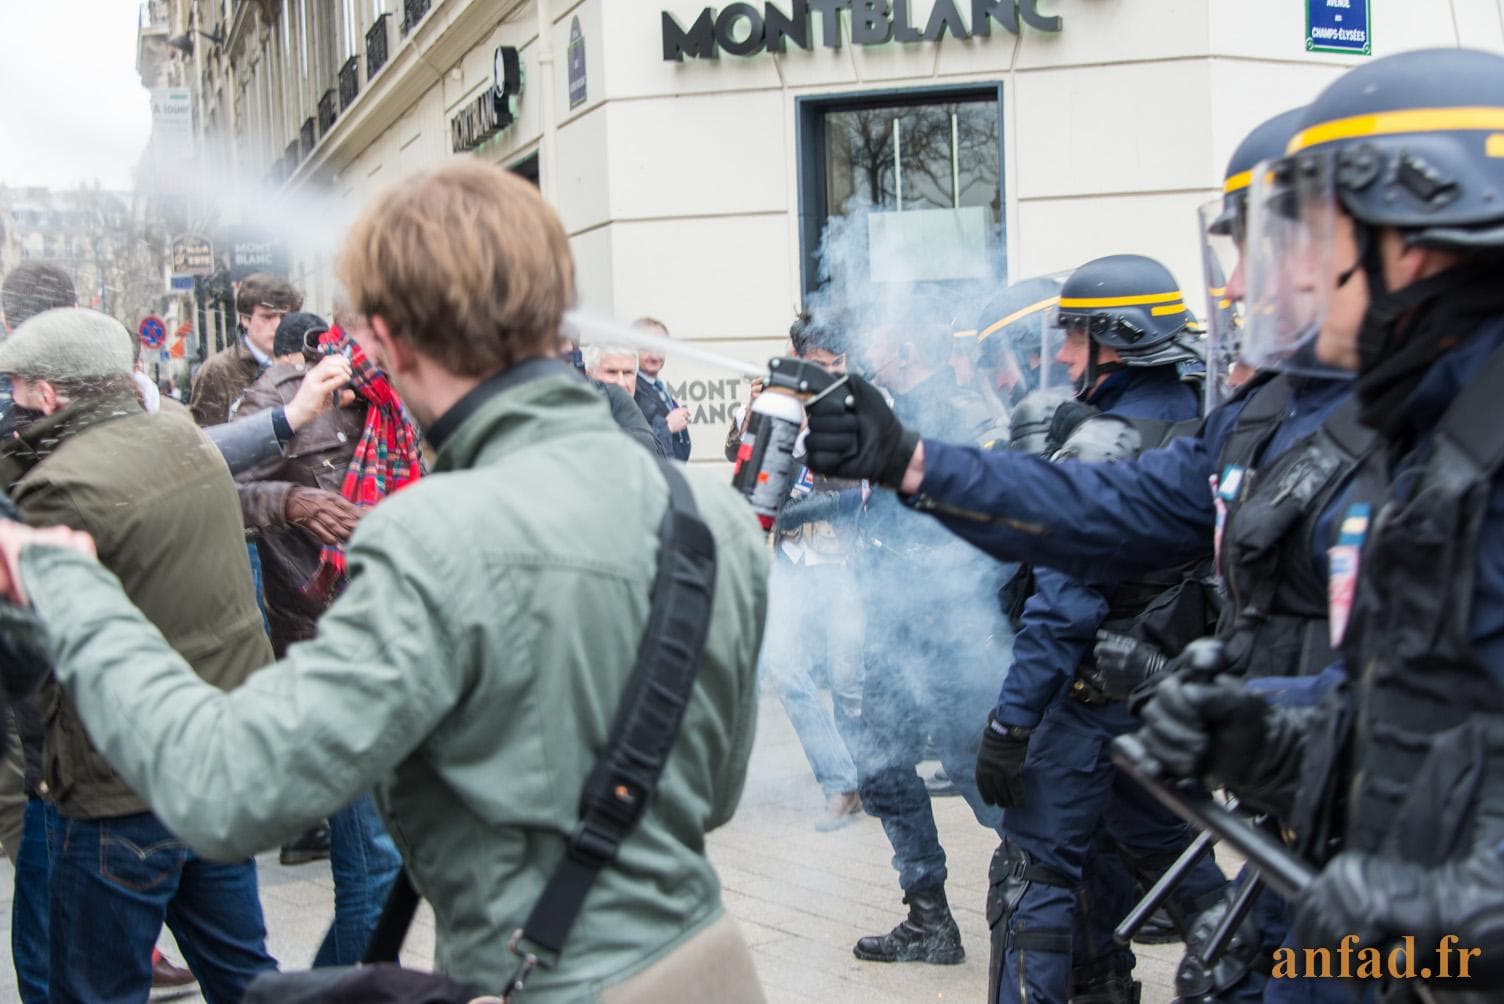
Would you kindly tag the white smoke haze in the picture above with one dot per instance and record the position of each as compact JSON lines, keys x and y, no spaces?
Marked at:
{"x":914,"y":606}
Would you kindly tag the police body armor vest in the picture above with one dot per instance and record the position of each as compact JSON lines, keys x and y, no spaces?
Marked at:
{"x":1427,"y":744}
{"x":1274,"y":620}
{"x":1113,"y":438}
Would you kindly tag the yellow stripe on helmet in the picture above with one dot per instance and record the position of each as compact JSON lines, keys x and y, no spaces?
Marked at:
{"x":1120,"y":301}
{"x":1174,"y":308}
{"x":1237,"y":182}
{"x":968,"y":333}
{"x":1015,"y":317}
{"x":1409,"y":120}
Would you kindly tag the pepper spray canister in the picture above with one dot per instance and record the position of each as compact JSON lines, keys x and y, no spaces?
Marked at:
{"x":765,"y":464}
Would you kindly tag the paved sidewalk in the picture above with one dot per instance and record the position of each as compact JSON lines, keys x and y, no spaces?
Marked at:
{"x":802,"y":897}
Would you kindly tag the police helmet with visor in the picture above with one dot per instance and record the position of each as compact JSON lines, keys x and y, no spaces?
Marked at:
{"x":1412,"y":142}
{"x":1016,"y":332}
{"x":1132,"y":305}
{"x":1224,"y":225}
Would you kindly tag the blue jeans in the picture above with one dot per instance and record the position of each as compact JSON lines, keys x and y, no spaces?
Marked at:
{"x":28,"y":910}
{"x":365,"y":863}
{"x":923,"y":682}
{"x":114,"y":883}
{"x":814,"y":619}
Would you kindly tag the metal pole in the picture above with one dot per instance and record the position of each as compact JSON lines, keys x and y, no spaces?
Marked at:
{"x":1285,"y":873}
{"x":955,"y":161}
{"x":898,"y":163}
{"x":548,"y":164}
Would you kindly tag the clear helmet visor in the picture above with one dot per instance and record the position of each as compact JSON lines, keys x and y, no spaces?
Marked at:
{"x":1288,"y":263}
{"x":1022,"y":352}
{"x":1051,"y":372}
{"x":1223,"y":229}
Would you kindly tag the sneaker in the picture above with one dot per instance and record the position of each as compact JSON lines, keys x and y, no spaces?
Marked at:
{"x":841,"y":809}
{"x":169,"y":981}
{"x":939,"y":784}
{"x":311,"y":846}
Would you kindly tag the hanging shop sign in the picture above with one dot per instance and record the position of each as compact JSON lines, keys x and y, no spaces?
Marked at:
{"x":1338,"y":26}
{"x":494,"y":110}
{"x":742,"y":29}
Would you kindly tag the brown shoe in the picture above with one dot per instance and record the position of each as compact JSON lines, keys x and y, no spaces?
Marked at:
{"x":169,"y":981}
{"x":840,"y":810}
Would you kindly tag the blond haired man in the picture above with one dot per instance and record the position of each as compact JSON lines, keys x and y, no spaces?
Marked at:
{"x":453,"y":674}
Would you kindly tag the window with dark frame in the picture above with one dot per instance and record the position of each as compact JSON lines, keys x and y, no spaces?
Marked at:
{"x":913,"y":181}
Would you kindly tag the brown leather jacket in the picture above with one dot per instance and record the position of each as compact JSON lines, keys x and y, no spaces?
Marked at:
{"x":220,"y":382}
{"x":317,"y":456}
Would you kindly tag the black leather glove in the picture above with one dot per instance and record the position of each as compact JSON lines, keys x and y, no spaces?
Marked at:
{"x":1382,"y":901}
{"x":854,"y":434}
{"x":1124,"y":663}
{"x":1000,"y":763}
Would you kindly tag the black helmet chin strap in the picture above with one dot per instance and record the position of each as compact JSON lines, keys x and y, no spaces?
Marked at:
{"x":1094,"y":370}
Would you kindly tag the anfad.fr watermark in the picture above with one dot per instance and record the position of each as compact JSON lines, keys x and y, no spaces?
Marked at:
{"x":1348,"y":961}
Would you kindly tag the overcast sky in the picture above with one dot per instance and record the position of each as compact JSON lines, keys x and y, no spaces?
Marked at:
{"x":71,"y":106}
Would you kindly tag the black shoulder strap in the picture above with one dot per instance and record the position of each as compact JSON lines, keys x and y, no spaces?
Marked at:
{"x":627,"y":772}
{"x":1256,"y":423}
{"x":1472,"y":425}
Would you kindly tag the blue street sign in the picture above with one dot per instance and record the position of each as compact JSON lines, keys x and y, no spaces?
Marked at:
{"x":1339,"y":26}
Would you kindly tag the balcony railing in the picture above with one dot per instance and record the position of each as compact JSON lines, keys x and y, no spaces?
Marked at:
{"x":308,"y":135}
{"x":349,"y":82}
{"x":412,"y":13}
{"x":328,"y":111}
{"x":376,"y":47}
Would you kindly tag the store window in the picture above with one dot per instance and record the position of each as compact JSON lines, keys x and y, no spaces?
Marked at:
{"x":902,"y":188}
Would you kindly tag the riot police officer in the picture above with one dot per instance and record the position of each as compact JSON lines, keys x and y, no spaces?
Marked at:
{"x":1126,"y":331}
{"x":1379,"y":241}
{"x":1132,"y":517}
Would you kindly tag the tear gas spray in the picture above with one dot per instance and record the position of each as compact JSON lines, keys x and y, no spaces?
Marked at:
{"x":765,"y":464}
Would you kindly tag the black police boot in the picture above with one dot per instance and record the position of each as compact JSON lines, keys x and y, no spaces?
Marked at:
{"x":1159,"y":929}
{"x":1105,"y":981}
{"x":928,"y":934}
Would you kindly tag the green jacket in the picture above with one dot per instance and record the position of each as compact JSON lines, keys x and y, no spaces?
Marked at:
{"x":471,"y":672}
{"x":158,"y":499}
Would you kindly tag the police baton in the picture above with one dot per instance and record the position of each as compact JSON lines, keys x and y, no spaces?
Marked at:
{"x":1282,"y":871}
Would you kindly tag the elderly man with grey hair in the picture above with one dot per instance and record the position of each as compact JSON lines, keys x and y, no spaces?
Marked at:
{"x":159,"y":501}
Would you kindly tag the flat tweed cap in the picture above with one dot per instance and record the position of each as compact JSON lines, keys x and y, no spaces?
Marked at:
{"x":69,"y":343}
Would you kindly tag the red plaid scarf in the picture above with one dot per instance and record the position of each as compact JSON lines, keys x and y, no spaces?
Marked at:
{"x":386,"y":458}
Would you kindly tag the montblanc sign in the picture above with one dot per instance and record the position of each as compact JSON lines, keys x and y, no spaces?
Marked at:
{"x":743,"y":29}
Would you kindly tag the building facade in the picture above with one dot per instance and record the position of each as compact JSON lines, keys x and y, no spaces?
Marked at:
{"x":720,"y":166}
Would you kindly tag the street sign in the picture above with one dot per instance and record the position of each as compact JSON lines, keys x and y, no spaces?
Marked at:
{"x":180,"y":284}
{"x":1339,"y":26}
{"x":153,"y":332}
{"x":577,"y":84}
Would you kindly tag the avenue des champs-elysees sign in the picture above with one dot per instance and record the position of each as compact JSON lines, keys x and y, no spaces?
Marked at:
{"x":742,"y":29}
